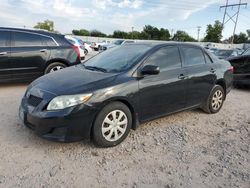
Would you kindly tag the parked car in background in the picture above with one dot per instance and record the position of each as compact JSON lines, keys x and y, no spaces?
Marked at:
{"x":212,"y":50}
{"x":27,"y":54}
{"x":116,"y":43}
{"x":241,"y":66}
{"x":87,"y":46}
{"x":224,"y":54}
{"x":97,"y":45}
{"x":78,"y":44}
{"x":119,"y":88}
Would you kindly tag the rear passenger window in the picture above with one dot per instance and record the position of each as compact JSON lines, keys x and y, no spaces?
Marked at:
{"x":4,"y":38}
{"x":166,"y":58}
{"x":26,"y":39}
{"x":193,"y":56}
{"x":48,"y":41}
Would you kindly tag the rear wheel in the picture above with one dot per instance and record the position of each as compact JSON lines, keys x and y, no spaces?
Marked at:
{"x":86,"y":52}
{"x":112,"y":125}
{"x":215,"y":100}
{"x":54,"y":67}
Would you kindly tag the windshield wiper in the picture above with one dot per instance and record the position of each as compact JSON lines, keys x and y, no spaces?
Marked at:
{"x":94,"y":68}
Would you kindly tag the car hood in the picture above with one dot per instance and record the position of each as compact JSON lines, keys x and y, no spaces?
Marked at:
{"x":73,"y":80}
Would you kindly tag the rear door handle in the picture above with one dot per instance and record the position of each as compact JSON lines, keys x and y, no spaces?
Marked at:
{"x":3,"y":53}
{"x":43,"y":50}
{"x":212,"y":70}
{"x":182,"y":77}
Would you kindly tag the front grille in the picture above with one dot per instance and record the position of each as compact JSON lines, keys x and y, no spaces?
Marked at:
{"x":34,"y":101}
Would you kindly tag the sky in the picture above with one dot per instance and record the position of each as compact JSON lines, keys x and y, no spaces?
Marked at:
{"x":110,"y":15}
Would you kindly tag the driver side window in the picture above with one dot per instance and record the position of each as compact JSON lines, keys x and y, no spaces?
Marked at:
{"x":166,"y":58}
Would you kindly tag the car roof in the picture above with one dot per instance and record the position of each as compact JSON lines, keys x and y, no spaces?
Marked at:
{"x":162,"y":43}
{"x":31,"y":30}
{"x":59,"y":38}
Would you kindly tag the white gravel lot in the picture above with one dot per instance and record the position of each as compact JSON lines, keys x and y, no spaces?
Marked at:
{"x":188,"y":149}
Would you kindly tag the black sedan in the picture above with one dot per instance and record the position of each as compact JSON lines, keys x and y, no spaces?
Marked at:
{"x":241,"y":66}
{"x":123,"y":87}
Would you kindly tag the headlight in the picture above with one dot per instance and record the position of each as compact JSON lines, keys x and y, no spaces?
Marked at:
{"x":65,"y":101}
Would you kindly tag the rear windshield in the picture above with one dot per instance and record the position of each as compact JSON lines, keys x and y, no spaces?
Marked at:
{"x":223,"y":52}
{"x":117,"y":59}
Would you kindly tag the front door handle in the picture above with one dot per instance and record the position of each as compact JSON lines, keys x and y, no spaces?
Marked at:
{"x":43,"y":50}
{"x":212,"y":70}
{"x":182,"y":77}
{"x":3,"y":53}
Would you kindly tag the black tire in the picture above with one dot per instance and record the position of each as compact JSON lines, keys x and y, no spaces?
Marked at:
{"x":86,"y":52}
{"x":208,"y":107}
{"x":54,"y":65}
{"x":97,"y":134}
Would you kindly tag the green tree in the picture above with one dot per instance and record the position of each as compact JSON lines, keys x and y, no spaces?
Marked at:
{"x":134,"y":35}
{"x":164,"y":34}
{"x":248,"y":35}
{"x":120,"y":34}
{"x":239,"y":39}
{"x":183,"y":36}
{"x":96,"y":33}
{"x":46,"y":25}
{"x":144,"y":36}
{"x":214,"y":32}
{"x":81,"y":32}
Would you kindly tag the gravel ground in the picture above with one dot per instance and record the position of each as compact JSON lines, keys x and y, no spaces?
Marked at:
{"x":188,"y":149}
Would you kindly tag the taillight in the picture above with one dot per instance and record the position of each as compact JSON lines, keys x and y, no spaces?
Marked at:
{"x":77,"y":51}
{"x":231,"y":69}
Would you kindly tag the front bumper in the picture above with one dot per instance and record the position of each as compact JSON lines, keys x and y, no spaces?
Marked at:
{"x":68,"y":125}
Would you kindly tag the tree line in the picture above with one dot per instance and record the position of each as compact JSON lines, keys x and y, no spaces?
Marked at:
{"x":213,"y":33}
{"x":148,"y":33}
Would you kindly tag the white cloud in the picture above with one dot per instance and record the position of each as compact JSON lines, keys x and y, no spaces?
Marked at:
{"x":130,"y":4}
{"x":107,"y":4}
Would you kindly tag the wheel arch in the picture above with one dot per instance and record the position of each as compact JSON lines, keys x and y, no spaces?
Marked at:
{"x":56,"y":60}
{"x":135,"y":121}
{"x":222,"y":83}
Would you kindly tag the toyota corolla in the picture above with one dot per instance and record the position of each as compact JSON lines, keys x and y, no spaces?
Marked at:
{"x":118,"y":89}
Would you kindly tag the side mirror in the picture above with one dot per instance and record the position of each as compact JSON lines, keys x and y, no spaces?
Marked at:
{"x":150,"y":70}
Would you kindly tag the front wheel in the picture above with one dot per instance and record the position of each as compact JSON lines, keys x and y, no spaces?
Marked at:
{"x":112,"y":125}
{"x":215,"y":100}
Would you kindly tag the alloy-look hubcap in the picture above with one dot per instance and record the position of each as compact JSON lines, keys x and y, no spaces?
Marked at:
{"x":56,"y":68}
{"x":217,"y":100}
{"x":114,"y":125}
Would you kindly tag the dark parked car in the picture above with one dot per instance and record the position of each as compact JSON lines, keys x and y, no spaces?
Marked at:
{"x":224,"y":54}
{"x":27,"y":54}
{"x":115,"y":43}
{"x":122,"y":87}
{"x":241,"y":66}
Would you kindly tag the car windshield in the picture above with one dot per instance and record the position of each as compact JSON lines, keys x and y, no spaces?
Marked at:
{"x":223,"y":52}
{"x":247,"y":52}
{"x":80,"y":41}
{"x":118,"y":42}
{"x":117,"y":59}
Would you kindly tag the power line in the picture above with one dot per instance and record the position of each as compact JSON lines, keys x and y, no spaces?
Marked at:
{"x":198,"y":33}
{"x":234,"y":18}
{"x":178,"y":5}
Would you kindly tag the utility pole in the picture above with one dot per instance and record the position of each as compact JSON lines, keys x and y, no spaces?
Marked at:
{"x":132,"y":33}
{"x":234,"y":17}
{"x":172,"y":33}
{"x":198,"y":33}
